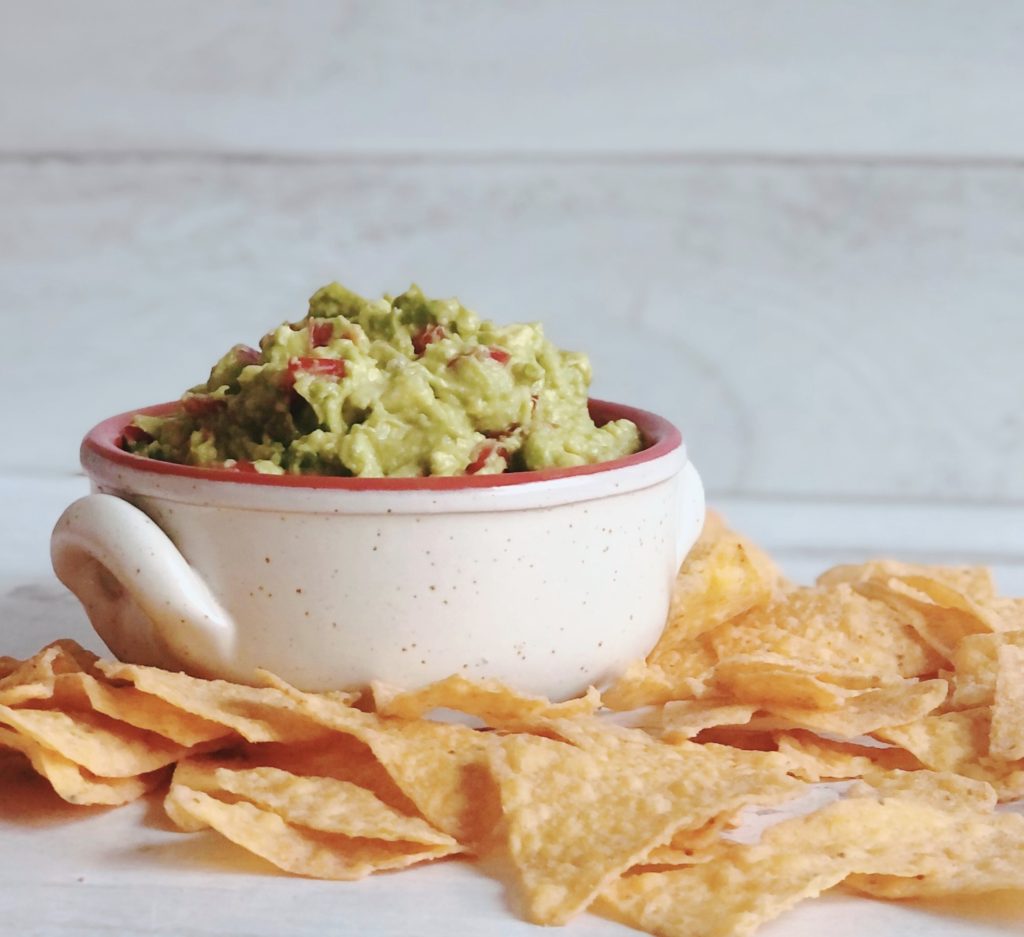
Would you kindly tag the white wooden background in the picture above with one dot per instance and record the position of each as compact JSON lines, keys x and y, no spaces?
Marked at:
{"x":794,"y":226}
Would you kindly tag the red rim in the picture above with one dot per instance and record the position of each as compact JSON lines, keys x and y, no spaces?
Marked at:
{"x":659,"y":435}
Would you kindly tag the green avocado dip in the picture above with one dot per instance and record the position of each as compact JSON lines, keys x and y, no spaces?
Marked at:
{"x":404,"y":386}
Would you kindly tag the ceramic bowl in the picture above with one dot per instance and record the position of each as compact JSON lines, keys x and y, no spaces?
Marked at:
{"x":551,"y":580}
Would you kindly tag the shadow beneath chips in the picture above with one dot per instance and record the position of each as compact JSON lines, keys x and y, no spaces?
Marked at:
{"x":496,"y":863}
{"x":998,"y":907}
{"x":206,"y":852}
{"x":155,"y":817}
{"x":28,"y":799}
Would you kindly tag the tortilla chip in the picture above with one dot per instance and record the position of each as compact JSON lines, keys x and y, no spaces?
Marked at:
{"x":940,"y":788}
{"x":34,"y":679}
{"x":836,"y":628}
{"x":257,"y":714}
{"x":685,"y":673}
{"x":75,"y":784}
{"x":1007,"y":738}
{"x":490,"y":700}
{"x":684,"y":719}
{"x":771,"y":679}
{"x":578,"y":817}
{"x":975,"y":664}
{"x":315,"y":803}
{"x":439,"y":767}
{"x":294,"y":848}
{"x":745,"y":886}
{"x":812,"y":758}
{"x":974,"y":582}
{"x":870,"y":711}
{"x":340,"y":756}
{"x":941,"y":615}
{"x":81,"y":692}
{"x":721,"y":578}
{"x":959,"y":742}
{"x":986,"y":856}
{"x":106,"y":748}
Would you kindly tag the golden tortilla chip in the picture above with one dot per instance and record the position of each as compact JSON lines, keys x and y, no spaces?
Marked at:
{"x":941,"y":616}
{"x":946,"y":742}
{"x":745,"y":886}
{"x":987,"y":855}
{"x":339,"y":756}
{"x":812,"y":758}
{"x":75,"y":784}
{"x":34,"y":679}
{"x":578,"y":817}
{"x":959,"y":742}
{"x":107,"y":748}
{"x":82,"y":692}
{"x":316,"y":803}
{"x":683,"y":673}
{"x":258,"y":714}
{"x":294,"y":848}
{"x":940,"y":788}
{"x":870,"y":711}
{"x":975,"y":664}
{"x":490,"y":700}
{"x":1007,"y":738}
{"x":974,"y":582}
{"x":684,"y":719}
{"x":441,"y":768}
{"x":771,"y":679}
{"x":1011,"y":613}
{"x":835,"y":627}
{"x":688,"y":847}
{"x":722,"y":577}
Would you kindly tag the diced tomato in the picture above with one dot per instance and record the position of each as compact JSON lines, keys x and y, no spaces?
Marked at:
{"x":502,"y":433}
{"x":246,"y":355}
{"x":427,"y":336}
{"x":200,"y":405}
{"x":320,"y":333}
{"x":135,"y":435}
{"x":243,"y":465}
{"x":483,"y":353}
{"x":485,"y":453}
{"x":320,"y":367}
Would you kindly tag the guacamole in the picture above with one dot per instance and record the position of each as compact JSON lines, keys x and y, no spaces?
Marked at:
{"x":403,"y":386}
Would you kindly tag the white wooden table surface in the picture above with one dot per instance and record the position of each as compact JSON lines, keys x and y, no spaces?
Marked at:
{"x":796,"y":228}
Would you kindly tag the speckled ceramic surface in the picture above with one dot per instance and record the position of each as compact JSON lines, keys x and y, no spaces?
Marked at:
{"x":549,"y":583}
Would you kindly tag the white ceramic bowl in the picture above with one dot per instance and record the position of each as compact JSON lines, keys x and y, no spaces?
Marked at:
{"x":550,"y":580}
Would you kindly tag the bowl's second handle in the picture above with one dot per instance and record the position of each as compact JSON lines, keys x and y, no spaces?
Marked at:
{"x":693,"y":509}
{"x":142,"y":597}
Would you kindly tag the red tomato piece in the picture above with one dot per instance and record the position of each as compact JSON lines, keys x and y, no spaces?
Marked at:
{"x":246,"y":355}
{"x":320,"y":333}
{"x":499,"y":354}
{"x":200,"y":405}
{"x":485,"y":453}
{"x":502,"y":433}
{"x":427,"y":336}
{"x":320,"y":367}
{"x":135,"y":435}
{"x":243,"y":465}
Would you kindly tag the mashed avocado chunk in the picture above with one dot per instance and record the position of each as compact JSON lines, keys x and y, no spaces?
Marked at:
{"x":403,"y":386}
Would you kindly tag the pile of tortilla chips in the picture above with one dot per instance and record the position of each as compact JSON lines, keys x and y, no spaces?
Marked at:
{"x":905,"y":682}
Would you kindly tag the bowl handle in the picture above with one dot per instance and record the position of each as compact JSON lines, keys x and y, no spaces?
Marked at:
{"x":693,"y":510}
{"x":142,"y":597}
